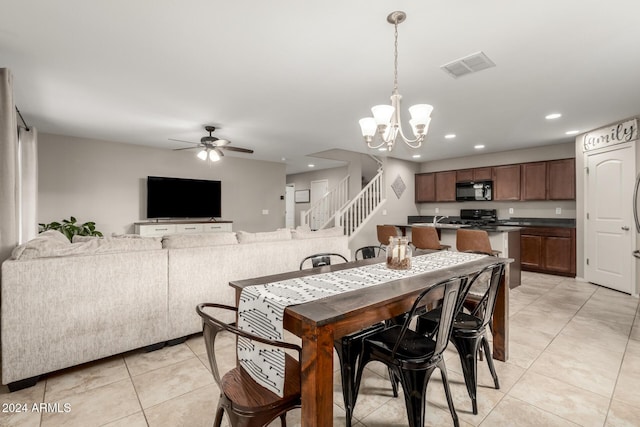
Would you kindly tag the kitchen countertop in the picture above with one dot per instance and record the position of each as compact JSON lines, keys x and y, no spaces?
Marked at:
{"x":487,"y":228}
{"x":501,"y":224}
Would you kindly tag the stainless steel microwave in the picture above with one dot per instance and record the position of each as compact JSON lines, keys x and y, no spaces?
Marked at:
{"x":474,"y":190}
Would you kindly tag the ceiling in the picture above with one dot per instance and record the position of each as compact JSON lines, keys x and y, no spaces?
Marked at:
{"x":289,"y":79}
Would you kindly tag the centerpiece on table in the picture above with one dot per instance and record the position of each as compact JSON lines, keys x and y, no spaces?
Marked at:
{"x":398,"y":254}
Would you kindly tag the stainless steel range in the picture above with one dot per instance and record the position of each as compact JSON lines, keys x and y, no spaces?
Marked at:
{"x":477,"y":217}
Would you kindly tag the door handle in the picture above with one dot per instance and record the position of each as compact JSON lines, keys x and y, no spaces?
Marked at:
{"x":625,"y":228}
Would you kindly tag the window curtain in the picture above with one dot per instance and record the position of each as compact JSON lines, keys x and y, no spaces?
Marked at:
{"x":28,"y":183}
{"x":8,"y":167}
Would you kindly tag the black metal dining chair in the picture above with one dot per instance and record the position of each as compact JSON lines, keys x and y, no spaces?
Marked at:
{"x":470,"y":329}
{"x":348,"y":349}
{"x":367,"y":252}
{"x":247,"y":403}
{"x":322,"y":259}
{"x":412,"y":356}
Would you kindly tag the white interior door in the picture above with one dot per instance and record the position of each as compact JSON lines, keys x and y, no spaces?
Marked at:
{"x":609,"y":194}
{"x":318,"y":190}
{"x":289,"y":206}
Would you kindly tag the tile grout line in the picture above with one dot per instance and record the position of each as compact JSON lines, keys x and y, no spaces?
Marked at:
{"x":624,"y":355}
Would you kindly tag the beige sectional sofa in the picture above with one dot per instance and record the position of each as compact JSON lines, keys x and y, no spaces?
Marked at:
{"x":63,"y":304}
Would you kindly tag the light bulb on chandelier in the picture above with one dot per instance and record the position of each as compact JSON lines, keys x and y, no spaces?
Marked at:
{"x":386,"y":118}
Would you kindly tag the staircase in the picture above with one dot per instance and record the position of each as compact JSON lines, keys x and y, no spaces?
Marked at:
{"x":357,"y":212}
{"x":322,"y":212}
{"x":351,"y":215}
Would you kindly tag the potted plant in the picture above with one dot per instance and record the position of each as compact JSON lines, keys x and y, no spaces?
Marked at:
{"x":70,"y":227}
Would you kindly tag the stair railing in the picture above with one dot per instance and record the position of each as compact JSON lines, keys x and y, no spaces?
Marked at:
{"x":322,"y":212}
{"x":357,"y":212}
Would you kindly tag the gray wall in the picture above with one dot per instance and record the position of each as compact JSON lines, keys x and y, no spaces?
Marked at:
{"x":302,"y":181}
{"x":105,"y":182}
{"x":396,"y":209}
{"x":532,"y":209}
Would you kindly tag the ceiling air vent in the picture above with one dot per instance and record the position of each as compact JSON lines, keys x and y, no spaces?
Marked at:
{"x":469,"y":64}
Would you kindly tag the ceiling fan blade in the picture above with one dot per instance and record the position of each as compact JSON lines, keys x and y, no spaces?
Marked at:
{"x":186,"y":148}
{"x":219,"y":152}
{"x":181,"y":140}
{"x":241,"y":150}
{"x":222,"y":142}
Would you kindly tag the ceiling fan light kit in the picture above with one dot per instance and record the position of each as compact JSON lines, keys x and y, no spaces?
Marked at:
{"x":385,"y":126}
{"x":211,"y":146}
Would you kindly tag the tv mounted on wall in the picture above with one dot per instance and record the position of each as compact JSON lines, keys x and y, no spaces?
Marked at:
{"x":183,"y":198}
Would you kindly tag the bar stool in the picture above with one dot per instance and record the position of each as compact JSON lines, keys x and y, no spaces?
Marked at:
{"x":426,"y":238}
{"x":474,"y":241}
{"x":386,"y":231}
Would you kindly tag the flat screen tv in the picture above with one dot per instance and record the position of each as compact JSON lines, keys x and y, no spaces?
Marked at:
{"x":182,"y":198}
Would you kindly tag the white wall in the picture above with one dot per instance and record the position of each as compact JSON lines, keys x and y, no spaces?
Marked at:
{"x":105,"y":182}
{"x":521,"y":209}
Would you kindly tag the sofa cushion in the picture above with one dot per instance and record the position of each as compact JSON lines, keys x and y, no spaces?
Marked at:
{"x":78,"y":239}
{"x":325,"y":232}
{"x":50,"y":243}
{"x":127,"y":245}
{"x":264,"y":236}
{"x":180,"y":241}
{"x":55,"y":244}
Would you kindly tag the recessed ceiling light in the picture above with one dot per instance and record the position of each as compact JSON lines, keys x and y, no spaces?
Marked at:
{"x":284,"y":159}
{"x":572,"y":132}
{"x":311,"y":165}
{"x":450,"y":136}
{"x":416,"y":156}
{"x":478,"y":147}
{"x":553,"y":116}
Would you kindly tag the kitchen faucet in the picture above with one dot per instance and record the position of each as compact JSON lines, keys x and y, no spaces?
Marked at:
{"x":436,"y":219}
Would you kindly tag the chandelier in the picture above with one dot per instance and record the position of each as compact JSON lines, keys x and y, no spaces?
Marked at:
{"x":386,"y":118}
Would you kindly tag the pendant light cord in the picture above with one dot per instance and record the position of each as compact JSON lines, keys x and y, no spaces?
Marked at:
{"x":395,"y":58}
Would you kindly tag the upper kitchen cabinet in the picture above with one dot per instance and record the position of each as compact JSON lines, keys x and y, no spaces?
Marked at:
{"x":483,"y":174}
{"x":506,"y":182}
{"x":561,"y":179}
{"x":475,"y":174}
{"x":425,"y":187}
{"x":436,"y":187}
{"x":445,"y":186}
{"x":534,"y":181}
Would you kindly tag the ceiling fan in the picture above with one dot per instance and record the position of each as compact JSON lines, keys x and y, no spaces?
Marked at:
{"x":211,"y":147}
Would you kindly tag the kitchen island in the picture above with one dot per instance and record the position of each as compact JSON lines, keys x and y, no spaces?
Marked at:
{"x":503,"y":238}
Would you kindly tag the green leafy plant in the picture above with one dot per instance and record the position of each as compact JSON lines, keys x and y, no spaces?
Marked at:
{"x":70,"y":227}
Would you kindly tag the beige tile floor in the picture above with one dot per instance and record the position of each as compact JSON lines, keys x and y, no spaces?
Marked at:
{"x":575,"y":361}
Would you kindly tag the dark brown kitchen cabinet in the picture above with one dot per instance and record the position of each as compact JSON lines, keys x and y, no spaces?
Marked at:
{"x":483,"y":174}
{"x":506,"y":182}
{"x":464,"y":175}
{"x":425,"y":187}
{"x":561,"y":179}
{"x":475,"y":174}
{"x":445,"y":186}
{"x":549,"y":250}
{"x":534,"y":181}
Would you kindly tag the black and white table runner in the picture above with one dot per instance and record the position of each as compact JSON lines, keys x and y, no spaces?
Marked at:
{"x":261,"y":307}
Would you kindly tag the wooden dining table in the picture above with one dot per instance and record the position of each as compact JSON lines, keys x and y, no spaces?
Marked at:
{"x":318,"y":323}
